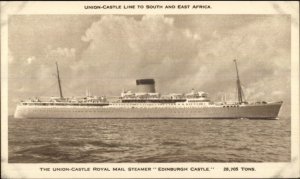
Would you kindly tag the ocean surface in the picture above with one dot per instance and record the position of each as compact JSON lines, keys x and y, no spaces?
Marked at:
{"x":148,"y":140}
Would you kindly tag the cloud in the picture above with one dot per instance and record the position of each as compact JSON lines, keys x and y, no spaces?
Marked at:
{"x":36,"y":75}
{"x":180,"y":52}
{"x":30,"y":59}
{"x":122,"y":49}
{"x":67,"y":53}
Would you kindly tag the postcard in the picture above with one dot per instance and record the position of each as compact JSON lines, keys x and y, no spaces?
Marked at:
{"x":150,"y":89}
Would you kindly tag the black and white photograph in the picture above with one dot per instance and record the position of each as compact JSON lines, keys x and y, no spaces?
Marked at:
{"x":149,"y":88}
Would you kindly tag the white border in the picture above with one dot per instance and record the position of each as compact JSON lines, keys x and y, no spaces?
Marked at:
{"x":263,"y":170}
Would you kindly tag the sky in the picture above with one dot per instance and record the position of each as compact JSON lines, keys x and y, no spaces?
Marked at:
{"x":107,"y":53}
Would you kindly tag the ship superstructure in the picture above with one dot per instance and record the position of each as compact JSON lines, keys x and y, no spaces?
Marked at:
{"x":147,"y":103}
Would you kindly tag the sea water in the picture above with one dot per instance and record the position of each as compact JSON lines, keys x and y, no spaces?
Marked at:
{"x":148,"y":140}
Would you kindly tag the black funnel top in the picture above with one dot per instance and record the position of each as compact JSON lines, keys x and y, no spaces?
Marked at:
{"x":145,"y":82}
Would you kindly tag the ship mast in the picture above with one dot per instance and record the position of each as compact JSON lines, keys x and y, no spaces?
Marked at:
{"x":238,"y":85}
{"x":59,"y":85}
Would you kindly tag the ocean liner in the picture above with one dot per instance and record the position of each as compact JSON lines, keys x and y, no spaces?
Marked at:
{"x":147,"y":103}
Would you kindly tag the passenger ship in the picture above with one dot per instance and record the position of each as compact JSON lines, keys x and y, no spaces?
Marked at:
{"x":147,"y":103}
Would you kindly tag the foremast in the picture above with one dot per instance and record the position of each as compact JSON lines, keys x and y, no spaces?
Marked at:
{"x":238,"y":85}
{"x":59,"y":84}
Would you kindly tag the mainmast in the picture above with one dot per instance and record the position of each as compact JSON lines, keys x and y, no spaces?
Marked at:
{"x":59,"y":85}
{"x":238,"y":85}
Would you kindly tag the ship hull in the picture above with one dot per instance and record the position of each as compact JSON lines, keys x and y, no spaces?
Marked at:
{"x":254,"y":111}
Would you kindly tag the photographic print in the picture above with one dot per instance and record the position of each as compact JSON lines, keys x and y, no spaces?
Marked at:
{"x":149,"y":88}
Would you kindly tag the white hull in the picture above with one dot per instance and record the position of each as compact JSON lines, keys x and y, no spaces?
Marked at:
{"x":251,"y":111}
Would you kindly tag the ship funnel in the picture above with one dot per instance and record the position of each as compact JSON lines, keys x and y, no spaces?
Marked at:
{"x":145,"y":85}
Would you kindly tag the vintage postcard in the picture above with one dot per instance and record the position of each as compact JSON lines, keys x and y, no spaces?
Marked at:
{"x":150,"y":89}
